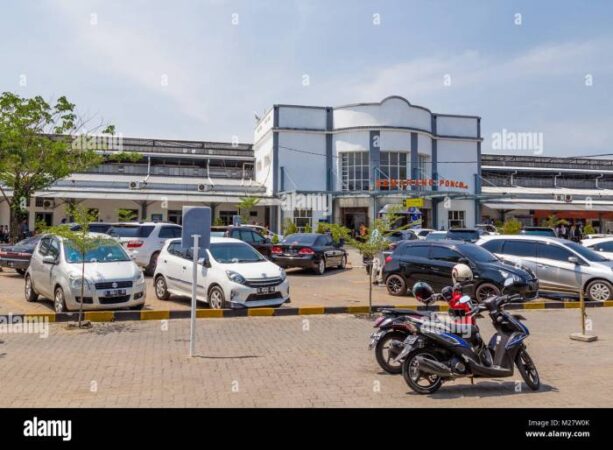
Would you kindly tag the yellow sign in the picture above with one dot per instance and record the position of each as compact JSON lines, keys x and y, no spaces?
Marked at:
{"x":414,"y":202}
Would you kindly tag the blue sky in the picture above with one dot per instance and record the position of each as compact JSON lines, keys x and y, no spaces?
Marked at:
{"x":111,"y":58}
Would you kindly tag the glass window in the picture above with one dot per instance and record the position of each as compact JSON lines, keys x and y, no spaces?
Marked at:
{"x":246,"y":236}
{"x":525,"y":249}
{"x":494,"y":246}
{"x":258,"y":238}
{"x":299,"y":239}
{"x":476,"y":253}
{"x":170,"y":232}
{"x":444,"y":254}
{"x":603,"y":247}
{"x":393,"y":166}
{"x":54,"y":247}
{"x":587,"y":253}
{"x":107,"y":250}
{"x":142,"y":231}
{"x":552,"y":251}
{"x":354,"y":171}
{"x":303,"y":218}
{"x":455,"y":219}
{"x":234,"y":253}
{"x":44,"y":246}
{"x":415,"y":251}
{"x":424,"y":170}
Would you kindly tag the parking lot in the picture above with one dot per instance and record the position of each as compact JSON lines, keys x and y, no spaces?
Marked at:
{"x":347,"y":287}
{"x":281,"y":362}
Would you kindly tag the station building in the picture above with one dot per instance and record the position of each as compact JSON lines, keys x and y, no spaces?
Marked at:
{"x":364,"y":157}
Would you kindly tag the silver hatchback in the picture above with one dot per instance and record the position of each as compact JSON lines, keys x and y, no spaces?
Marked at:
{"x":561,"y":266}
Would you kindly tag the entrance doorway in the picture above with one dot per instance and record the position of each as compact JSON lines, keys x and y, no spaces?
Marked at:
{"x":45,"y":218}
{"x":353,"y":218}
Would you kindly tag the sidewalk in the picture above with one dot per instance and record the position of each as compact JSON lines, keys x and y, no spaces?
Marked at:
{"x":282,"y":361}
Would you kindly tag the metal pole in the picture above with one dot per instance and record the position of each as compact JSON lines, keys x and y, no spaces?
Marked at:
{"x":192,"y":331}
{"x":582,"y":305}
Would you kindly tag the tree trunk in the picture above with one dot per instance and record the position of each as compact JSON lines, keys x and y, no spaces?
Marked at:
{"x":16,"y":217}
{"x":370,"y":288}
{"x":82,"y":288}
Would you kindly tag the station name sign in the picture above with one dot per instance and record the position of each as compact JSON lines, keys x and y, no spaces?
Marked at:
{"x":425,"y":182}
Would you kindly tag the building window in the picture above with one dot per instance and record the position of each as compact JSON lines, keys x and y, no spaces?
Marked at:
{"x":393,"y":166}
{"x":302,"y":218}
{"x":226,"y":217}
{"x":456,"y":219}
{"x":354,"y":171}
{"x":175,"y":216}
{"x":424,"y":170}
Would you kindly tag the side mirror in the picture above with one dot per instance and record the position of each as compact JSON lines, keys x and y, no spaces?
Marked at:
{"x":49,"y":259}
{"x":205,"y":263}
{"x":573,"y":260}
{"x":465,"y":299}
{"x":508,"y":282}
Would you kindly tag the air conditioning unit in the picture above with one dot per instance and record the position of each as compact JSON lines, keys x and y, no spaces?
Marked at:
{"x":568,"y":198}
{"x":203,"y":187}
{"x":559,"y":197}
{"x":48,"y":204}
{"x":134,"y":184}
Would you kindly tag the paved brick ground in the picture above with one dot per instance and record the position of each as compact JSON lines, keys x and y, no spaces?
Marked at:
{"x":284,"y":362}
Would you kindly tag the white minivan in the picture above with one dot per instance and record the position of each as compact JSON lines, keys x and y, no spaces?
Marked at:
{"x":232,"y":274}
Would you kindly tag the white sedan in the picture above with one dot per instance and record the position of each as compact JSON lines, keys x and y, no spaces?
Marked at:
{"x":603,"y":245}
{"x":231,"y":274}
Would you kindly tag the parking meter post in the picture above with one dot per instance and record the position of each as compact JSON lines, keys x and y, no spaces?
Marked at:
{"x":192,"y":330}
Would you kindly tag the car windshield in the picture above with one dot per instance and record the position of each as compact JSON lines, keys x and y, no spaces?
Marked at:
{"x":539,"y":232}
{"x":476,"y":253}
{"x":436,"y":236}
{"x":587,"y":253}
{"x":300,"y":239}
{"x":29,"y":242}
{"x":130,"y":231}
{"x":217,"y":234}
{"x":465,"y":235}
{"x":235,"y":253}
{"x":102,"y":251}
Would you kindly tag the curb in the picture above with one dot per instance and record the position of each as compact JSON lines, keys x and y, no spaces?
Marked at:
{"x":120,"y":316}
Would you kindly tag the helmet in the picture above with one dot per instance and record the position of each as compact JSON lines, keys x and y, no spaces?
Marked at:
{"x":423,"y":292}
{"x":461,"y":273}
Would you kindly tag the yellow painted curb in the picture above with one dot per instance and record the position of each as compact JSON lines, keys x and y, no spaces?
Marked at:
{"x":608,"y":303}
{"x":358,"y":309}
{"x":443,"y":307}
{"x":538,"y":305}
{"x":99,"y":316}
{"x":50,"y":317}
{"x":261,"y":312}
{"x":311,"y":310}
{"x":154,"y":315}
{"x":208,"y":313}
{"x":405,"y":306}
{"x":572,"y":304}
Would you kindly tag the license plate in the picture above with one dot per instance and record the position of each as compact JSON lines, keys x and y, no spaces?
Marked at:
{"x":266,"y":290}
{"x":115,"y":293}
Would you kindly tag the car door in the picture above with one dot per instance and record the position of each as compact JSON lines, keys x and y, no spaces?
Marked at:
{"x":46,"y":280}
{"x":261,"y":244}
{"x":442,"y":260}
{"x":414,"y":263}
{"x":37,"y":267}
{"x":553,"y":269}
{"x":519,"y":251}
{"x":171,"y":265}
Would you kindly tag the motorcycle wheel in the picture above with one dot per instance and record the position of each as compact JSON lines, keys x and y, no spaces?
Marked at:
{"x":385,"y":358}
{"x":421,"y":383}
{"x":527,"y":369}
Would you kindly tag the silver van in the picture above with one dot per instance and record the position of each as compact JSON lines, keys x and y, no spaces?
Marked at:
{"x":560,"y":265}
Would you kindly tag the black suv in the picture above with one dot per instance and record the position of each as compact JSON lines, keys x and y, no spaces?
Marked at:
{"x":432,"y":261}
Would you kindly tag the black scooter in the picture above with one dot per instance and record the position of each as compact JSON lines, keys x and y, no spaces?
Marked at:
{"x":438,"y":352}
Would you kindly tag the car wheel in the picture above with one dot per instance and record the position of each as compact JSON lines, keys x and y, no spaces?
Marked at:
{"x":59,"y":302}
{"x":343,"y":263}
{"x":153,"y":262}
{"x":485,"y":291}
{"x":396,"y":285}
{"x":321,"y":267}
{"x":21,"y":272}
{"x":217,"y":299}
{"x":161,"y":290}
{"x":31,"y":296}
{"x":599,"y":290}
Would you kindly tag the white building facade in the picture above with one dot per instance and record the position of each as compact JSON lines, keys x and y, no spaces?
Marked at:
{"x":345,"y":164}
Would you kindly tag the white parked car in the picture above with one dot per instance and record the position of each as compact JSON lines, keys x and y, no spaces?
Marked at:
{"x":143,"y":241}
{"x":603,"y":245}
{"x":421,"y":233}
{"x":112,"y":279}
{"x":232,"y":274}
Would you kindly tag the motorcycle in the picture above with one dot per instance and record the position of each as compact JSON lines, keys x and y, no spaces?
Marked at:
{"x":436,"y":352}
{"x":393,"y":328}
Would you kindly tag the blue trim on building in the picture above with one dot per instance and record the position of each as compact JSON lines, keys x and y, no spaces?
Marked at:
{"x":329,"y":142}
{"x":374,"y":156}
{"x":414,"y":158}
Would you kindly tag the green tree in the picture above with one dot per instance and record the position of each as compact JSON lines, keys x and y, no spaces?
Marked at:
{"x":218,"y":221}
{"x":245,"y":206}
{"x":589,"y":229}
{"x":126,"y":215}
{"x":37,"y":148}
{"x":81,"y":240}
{"x":308,"y":228}
{"x":289,"y":227}
{"x":511,"y":226}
